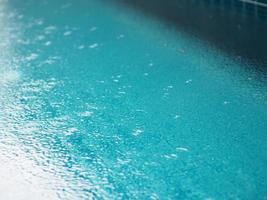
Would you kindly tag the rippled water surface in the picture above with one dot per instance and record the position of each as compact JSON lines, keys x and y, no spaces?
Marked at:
{"x":99,"y":102}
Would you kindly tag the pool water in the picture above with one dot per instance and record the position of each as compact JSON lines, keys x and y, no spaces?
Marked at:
{"x":100,"y":102}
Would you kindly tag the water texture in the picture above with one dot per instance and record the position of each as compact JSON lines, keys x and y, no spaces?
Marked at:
{"x":100,"y":102}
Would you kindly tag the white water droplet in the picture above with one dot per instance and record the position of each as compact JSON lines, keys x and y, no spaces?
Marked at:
{"x":137,"y":132}
{"x":48,"y":43}
{"x":92,"y":46}
{"x":188,"y":81}
{"x":226,"y":102}
{"x":181,"y":149}
{"x":176,"y":116}
{"x":67,"y":33}
{"x":81,"y":47}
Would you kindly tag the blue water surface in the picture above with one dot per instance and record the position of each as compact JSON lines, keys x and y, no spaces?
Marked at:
{"x":100,"y":102}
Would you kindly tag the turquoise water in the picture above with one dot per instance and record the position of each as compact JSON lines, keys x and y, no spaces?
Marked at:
{"x":100,"y":102}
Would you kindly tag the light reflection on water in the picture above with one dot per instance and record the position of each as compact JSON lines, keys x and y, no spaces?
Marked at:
{"x":85,"y":115}
{"x":26,"y":171}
